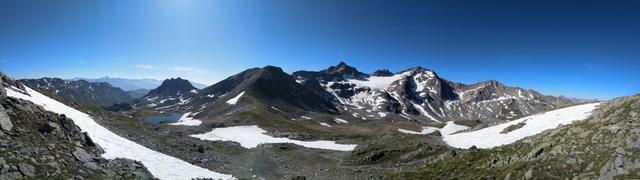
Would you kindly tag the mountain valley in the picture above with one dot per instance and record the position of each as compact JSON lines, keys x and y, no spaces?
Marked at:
{"x":345,"y":124}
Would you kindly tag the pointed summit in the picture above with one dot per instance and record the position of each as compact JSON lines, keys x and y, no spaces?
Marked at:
{"x":345,"y":71}
{"x":382,"y":73}
{"x":172,"y":87}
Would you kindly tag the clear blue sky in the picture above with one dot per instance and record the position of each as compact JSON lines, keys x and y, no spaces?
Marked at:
{"x":585,"y":49}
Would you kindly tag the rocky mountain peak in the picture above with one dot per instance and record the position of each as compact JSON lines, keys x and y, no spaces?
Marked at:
{"x":420,"y":69}
{"x":272,"y":70}
{"x":172,"y":87}
{"x":494,"y":84}
{"x":344,"y":70}
{"x":382,"y":73}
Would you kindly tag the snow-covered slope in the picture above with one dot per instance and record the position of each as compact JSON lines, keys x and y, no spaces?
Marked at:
{"x":252,"y":136}
{"x":234,"y":100}
{"x":449,"y":128}
{"x":376,"y":82}
{"x":491,"y":136}
{"x":160,"y":165}
{"x":187,"y":120}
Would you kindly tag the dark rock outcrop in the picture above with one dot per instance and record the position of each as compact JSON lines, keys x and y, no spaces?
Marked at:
{"x":382,"y":72}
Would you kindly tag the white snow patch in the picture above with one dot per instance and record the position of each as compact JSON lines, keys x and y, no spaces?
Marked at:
{"x":338,"y":120}
{"x":234,"y":100}
{"x":377,"y":82}
{"x":451,"y":128}
{"x":160,"y":165}
{"x":252,"y":136}
{"x":491,"y":137}
{"x":425,"y":130}
{"x":381,"y":114}
{"x":185,"y":120}
{"x":305,"y":117}
{"x":325,"y":124}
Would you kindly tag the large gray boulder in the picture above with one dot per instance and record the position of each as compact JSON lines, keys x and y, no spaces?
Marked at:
{"x":5,"y":122}
{"x":82,"y":155}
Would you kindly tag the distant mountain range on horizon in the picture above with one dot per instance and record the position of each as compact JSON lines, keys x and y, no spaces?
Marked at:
{"x":133,"y":84}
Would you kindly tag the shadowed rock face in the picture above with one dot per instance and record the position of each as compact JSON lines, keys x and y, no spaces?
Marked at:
{"x":172,"y":87}
{"x":268,"y":85}
{"x":339,"y":72}
{"x":345,"y":71}
{"x":382,"y":72}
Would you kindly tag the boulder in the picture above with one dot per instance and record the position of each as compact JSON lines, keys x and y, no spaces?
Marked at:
{"x":82,"y":155}
{"x":5,"y":122}
{"x":90,"y":165}
{"x":27,"y":169}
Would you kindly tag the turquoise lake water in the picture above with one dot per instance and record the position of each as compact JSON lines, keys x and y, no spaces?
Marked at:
{"x":157,"y":119}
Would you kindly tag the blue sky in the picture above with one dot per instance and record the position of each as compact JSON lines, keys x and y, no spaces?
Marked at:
{"x":586,"y":49}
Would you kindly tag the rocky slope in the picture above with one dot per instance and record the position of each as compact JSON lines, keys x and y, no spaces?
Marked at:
{"x":604,"y":146}
{"x":84,"y":92}
{"x":38,"y":144}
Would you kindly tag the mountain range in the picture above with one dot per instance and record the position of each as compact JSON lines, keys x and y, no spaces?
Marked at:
{"x":132,"y":84}
{"x":83,"y":92}
{"x":413,"y":94}
{"x":336,"y":123}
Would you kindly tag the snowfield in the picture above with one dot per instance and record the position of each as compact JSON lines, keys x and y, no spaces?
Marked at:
{"x":491,"y":137}
{"x":234,"y":100}
{"x":449,"y":128}
{"x":377,"y":82}
{"x":185,"y":120}
{"x":160,"y":165}
{"x":425,"y":130}
{"x":252,"y":136}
